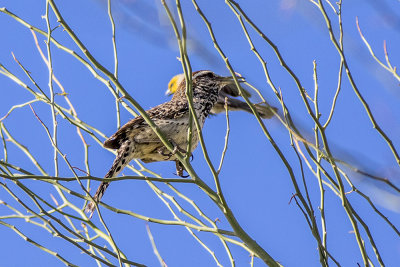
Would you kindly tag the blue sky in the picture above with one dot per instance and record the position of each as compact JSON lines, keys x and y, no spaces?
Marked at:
{"x":254,"y":180}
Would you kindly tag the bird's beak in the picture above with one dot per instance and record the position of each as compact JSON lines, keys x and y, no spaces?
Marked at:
{"x":168,"y":92}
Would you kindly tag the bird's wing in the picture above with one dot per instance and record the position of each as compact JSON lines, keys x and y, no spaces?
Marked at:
{"x":265,"y":110}
{"x":118,"y":138}
{"x":166,"y":111}
{"x":232,"y":90}
{"x":233,"y":104}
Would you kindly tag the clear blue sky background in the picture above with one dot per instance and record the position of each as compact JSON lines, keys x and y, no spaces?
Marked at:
{"x":255,"y":182}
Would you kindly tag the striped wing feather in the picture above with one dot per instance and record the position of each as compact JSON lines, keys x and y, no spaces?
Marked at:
{"x":167,"y":111}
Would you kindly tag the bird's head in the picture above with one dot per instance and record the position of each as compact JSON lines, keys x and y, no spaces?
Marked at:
{"x":204,"y":78}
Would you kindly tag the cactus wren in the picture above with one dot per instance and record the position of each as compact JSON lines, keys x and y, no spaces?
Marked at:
{"x":136,"y":139}
{"x":265,"y":111}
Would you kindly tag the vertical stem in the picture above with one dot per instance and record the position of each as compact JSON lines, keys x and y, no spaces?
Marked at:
{"x":318,"y":172}
{"x":117,"y":105}
{"x":50,"y":67}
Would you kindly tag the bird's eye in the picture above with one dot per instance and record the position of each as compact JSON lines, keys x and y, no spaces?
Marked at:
{"x":209,"y":75}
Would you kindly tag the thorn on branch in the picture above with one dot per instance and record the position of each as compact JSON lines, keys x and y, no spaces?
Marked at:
{"x":79,"y":169}
{"x":351,"y":191}
{"x":62,"y":94}
{"x":293,"y":197}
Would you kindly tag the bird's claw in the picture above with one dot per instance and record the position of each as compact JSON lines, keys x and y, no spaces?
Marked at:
{"x":179,"y":169}
{"x":176,"y":147}
{"x":170,"y":154}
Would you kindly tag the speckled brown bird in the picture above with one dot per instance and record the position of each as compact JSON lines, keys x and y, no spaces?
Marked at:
{"x":228,"y":92}
{"x":136,"y":139}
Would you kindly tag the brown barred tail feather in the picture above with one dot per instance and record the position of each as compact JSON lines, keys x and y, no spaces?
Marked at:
{"x":122,"y":159}
{"x":90,"y":208}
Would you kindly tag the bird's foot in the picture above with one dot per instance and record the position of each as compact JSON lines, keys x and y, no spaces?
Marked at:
{"x":179,"y":169}
{"x":176,"y":147}
{"x":162,"y":152}
{"x":170,"y":154}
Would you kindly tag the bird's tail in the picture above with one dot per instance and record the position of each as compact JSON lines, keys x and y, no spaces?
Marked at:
{"x":119,"y":163}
